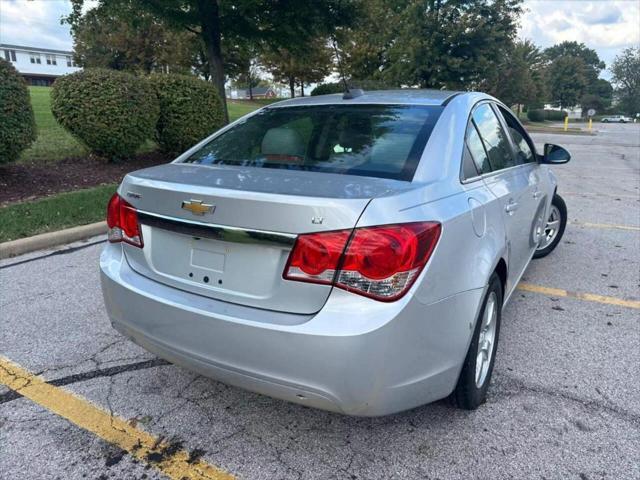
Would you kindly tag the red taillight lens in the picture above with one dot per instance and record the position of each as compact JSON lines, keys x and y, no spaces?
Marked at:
{"x":315,"y":256}
{"x":122,"y":220}
{"x":379,"y":262}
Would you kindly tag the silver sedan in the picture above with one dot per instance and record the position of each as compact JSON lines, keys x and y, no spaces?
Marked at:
{"x":348,"y":252}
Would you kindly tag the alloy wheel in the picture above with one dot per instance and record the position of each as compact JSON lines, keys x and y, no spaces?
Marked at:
{"x":487,"y":339}
{"x":551,"y":229}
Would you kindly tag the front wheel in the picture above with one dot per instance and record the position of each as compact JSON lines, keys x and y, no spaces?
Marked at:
{"x":473,"y":383}
{"x":554,"y":229}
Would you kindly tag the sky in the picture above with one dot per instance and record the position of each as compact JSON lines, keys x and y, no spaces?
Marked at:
{"x":607,"y":26}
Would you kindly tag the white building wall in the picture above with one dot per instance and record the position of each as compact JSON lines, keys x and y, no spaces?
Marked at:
{"x":25,"y":66}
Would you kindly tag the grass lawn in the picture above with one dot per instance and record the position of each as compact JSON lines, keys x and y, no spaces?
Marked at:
{"x":55,"y":213}
{"x":69,"y":209}
{"x":238,"y":108}
{"x":55,"y":143}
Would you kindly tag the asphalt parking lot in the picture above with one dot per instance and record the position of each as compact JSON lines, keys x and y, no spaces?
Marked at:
{"x":565,"y":400}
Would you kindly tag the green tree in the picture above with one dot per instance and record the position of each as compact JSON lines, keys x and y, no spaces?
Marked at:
{"x":282,"y":24}
{"x":363,"y":48}
{"x":567,"y":81}
{"x":592,"y":63}
{"x":245,"y":67}
{"x":293,"y":67}
{"x":518,"y":80}
{"x":455,"y":44}
{"x":598,"y":97}
{"x":594,"y":93}
{"x":626,"y":78}
{"x":124,"y":39}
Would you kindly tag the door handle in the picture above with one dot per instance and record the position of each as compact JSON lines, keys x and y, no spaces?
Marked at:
{"x":511,"y":207}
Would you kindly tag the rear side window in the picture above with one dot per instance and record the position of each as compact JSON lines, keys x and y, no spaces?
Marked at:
{"x":494,"y":137}
{"x":476,"y":149}
{"x":368,"y":140}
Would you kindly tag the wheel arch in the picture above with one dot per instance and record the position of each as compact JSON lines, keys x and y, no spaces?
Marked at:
{"x":502,"y":272}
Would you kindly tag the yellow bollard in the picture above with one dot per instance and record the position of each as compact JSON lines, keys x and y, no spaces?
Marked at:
{"x":590,"y":123}
{"x":566,"y":123}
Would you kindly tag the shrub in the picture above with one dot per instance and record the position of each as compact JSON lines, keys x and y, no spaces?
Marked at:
{"x":17,"y":124}
{"x":326,"y":88}
{"x":555,"y":115}
{"x":190,"y":110}
{"x":535,"y":115}
{"x":111,"y":112}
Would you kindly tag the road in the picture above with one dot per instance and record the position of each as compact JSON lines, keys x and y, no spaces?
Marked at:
{"x":564,"y":404}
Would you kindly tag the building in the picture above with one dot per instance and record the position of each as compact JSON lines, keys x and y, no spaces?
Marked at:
{"x":39,"y":66}
{"x":258,"y":92}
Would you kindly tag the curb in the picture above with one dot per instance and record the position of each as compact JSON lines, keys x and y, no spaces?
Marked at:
{"x":51,"y":239}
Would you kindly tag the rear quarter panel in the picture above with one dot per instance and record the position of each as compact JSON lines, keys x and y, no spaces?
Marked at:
{"x":471,"y":243}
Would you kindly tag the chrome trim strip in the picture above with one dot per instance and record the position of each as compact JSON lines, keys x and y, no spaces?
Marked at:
{"x":495,"y":173}
{"x":216,"y":232}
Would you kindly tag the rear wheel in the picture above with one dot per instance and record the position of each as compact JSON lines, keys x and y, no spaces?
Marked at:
{"x":474,"y":380}
{"x":554,"y":229}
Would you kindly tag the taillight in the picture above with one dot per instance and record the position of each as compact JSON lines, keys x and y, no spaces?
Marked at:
{"x":122,"y":220}
{"x":378,"y":262}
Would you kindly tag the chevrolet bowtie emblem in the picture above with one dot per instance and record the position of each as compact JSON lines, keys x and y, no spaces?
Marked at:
{"x":197,"y":207}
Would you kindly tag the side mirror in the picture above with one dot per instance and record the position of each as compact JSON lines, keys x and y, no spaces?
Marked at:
{"x":555,"y":154}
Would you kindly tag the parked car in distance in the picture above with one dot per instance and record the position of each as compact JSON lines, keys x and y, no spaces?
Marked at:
{"x":616,"y":119}
{"x":351,"y":252}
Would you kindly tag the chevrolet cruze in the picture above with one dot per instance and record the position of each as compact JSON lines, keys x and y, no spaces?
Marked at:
{"x":348,"y":252}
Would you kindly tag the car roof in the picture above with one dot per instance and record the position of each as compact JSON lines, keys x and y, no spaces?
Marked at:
{"x":404,"y":96}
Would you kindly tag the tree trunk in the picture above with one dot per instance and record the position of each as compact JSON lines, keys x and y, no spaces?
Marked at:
{"x":205,"y":64}
{"x":302,"y":88}
{"x":210,"y":23}
{"x":292,"y":86}
{"x":250,"y":88}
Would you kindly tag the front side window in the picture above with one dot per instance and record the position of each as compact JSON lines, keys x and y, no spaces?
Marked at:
{"x":494,"y":137}
{"x":368,"y":140}
{"x":522,"y":142}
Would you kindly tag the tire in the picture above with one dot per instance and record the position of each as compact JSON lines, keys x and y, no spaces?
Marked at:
{"x":561,"y":209}
{"x":605,"y":121}
{"x":470,"y":393}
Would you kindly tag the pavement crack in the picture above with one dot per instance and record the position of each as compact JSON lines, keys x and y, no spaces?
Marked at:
{"x":589,"y":404}
{"x":97,"y":373}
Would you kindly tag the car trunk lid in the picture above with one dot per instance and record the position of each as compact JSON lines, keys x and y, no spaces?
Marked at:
{"x":226,"y":232}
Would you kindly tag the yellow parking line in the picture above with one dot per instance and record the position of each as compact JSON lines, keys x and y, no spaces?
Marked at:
{"x":605,"y":225}
{"x":176,"y":465}
{"x":589,"y":297}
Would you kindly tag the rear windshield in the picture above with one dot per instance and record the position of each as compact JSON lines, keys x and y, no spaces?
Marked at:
{"x":369,"y":140}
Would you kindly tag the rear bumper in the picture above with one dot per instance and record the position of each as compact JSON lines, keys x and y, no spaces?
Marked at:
{"x":356,"y":356}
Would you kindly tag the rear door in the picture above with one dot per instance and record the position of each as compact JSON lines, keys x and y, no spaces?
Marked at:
{"x":509,"y":183}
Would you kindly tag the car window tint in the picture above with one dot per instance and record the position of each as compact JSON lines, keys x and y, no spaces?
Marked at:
{"x":494,"y":138}
{"x":469,"y":169}
{"x":370,"y":140}
{"x":476,"y":149}
{"x":524,"y":147}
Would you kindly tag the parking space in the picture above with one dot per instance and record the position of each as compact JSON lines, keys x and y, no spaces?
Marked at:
{"x":565,"y":400}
